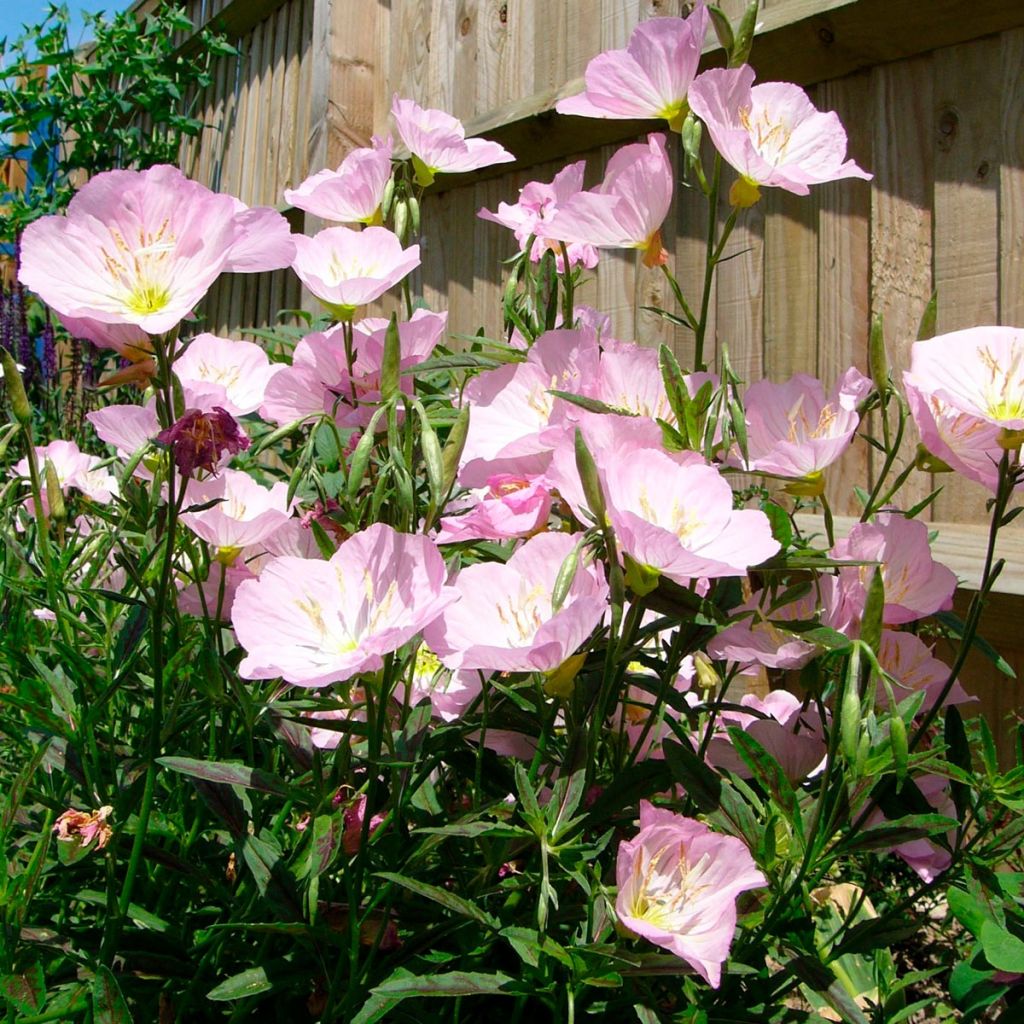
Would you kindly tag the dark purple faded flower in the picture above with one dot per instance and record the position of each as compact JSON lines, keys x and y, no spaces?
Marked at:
{"x":199,"y":439}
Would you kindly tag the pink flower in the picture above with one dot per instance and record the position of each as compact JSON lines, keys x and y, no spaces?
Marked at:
{"x":315,"y":623}
{"x":793,"y":430}
{"x":915,"y":584}
{"x":927,"y":859}
{"x":511,"y":506}
{"x":538,"y":203}
{"x":761,"y":638}
{"x":781,"y":724}
{"x":913,"y":667}
{"x":979,"y":371}
{"x":345,"y":268}
{"x":505,"y":620}
{"x":243,"y":512}
{"x":967,"y":444}
{"x":230,"y":374}
{"x":83,"y":827}
{"x":214,"y":597}
{"x":648,"y":79}
{"x":74,"y":469}
{"x":438,"y":142}
{"x":771,"y":133}
{"x":265,"y":241}
{"x":678,"y":520}
{"x":138,"y":248}
{"x":678,"y":884}
{"x":449,"y":693}
{"x":128,"y":428}
{"x":627,"y":209}
{"x":353,"y":192}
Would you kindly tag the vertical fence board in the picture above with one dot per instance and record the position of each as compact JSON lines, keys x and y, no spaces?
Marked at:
{"x":1011,"y":182}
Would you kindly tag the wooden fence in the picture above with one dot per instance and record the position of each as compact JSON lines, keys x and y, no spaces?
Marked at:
{"x":933,"y":102}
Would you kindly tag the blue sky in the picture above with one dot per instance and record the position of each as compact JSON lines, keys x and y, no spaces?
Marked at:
{"x":15,"y":13}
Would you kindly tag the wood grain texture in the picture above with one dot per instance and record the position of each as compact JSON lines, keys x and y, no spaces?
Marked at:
{"x":844,"y":302}
{"x":968,"y":155}
{"x":1011,"y":182}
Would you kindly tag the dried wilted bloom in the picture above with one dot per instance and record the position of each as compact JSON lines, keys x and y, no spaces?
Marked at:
{"x":84,"y":826}
{"x":199,"y":439}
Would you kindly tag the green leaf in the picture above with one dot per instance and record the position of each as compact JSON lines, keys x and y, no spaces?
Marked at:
{"x":26,"y":990}
{"x":238,"y":986}
{"x":391,"y":361}
{"x":891,"y":833}
{"x":454,"y":983}
{"x":108,"y":1005}
{"x":1004,"y":951}
{"x":769,"y":774}
{"x":227,"y":774}
{"x":325,"y":842}
{"x":448,"y":900}
{"x":968,"y":910}
{"x":699,"y":781}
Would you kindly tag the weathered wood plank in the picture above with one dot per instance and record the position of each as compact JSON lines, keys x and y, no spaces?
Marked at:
{"x":968,"y":152}
{"x":1011,"y":182}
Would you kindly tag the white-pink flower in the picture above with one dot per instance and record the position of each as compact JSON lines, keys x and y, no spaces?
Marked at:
{"x":538,"y":204}
{"x":352,"y":193}
{"x":220,"y":372}
{"x":979,"y":371}
{"x":505,"y":620}
{"x":438,"y":142}
{"x":74,"y":469}
{"x":314,"y":623}
{"x":794,"y":430}
{"x":771,"y":133}
{"x":242,"y":512}
{"x":678,"y":520}
{"x":510,"y":506}
{"x":627,"y":209}
{"x":915,"y":584}
{"x":678,"y":884}
{"x":648,"y":79}
{"x":345,"y":268}
{"x":140,"y":248}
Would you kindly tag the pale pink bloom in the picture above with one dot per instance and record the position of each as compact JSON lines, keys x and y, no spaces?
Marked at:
{"x":136,"y":247}
{"x":979,"y":371}
{"x":927,"y":859}
{"x":648,"y":79}
{"x":789,"y":732}
{"x":794,"y":429}
{"x":204,"y":598}
{"x":505,"y":620}
{"x":353,"y":192}
{"x":219,"y":372}
{"x":129,"y":428}
{"x":771,"y":133}
{"x":345,"y":268}
{"x":914,"y":667}
{"x":915,"y":584}
{"x":678,"y":884}
{"x":515,"y":422}
{"x":967,"y":444}
{"x":74,"y":470}
{"x":353,"y":818}
{"x":314,"y":622}
{"x":130,"y":341}
{"x":538,"y":203}
{"x":265,"y":241}
{"x":353,"y":708}
{"x":318,"y":380}
{"x":245,"y":512}
{"x":761,"y":637}
{"x":679,"y":519}
{"x":627,"y":209}
{"x":449,"y":693}
{"x":510,"y":506}
{"x":438,"y":142}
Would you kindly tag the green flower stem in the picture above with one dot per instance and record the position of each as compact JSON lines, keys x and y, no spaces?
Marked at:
{"x":709,"y":268}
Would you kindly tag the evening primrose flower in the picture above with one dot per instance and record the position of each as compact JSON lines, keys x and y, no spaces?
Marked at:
{"x":979,"y":371}
{"x":438,"y":142}
{"x":505,"y":620}
{"x":141,"y":248}
{"x":345,"y":268}
{"x":678,"y":883}
{"x":627,"y":209}
{"x":352,"y":193}
{"x":314,"y":622}
{"x":771,"y":134}
{"x":220,"y":372}
{"x":650,"y":77}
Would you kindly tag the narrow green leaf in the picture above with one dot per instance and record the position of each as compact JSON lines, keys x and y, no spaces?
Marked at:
{"x":226,"y":773}
{"x":448,"y":900}
{"x":238,"y":986}
{"x":108,"y":1004}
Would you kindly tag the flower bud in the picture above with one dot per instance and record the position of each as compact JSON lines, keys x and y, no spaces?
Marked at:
{"x":20,"y":407}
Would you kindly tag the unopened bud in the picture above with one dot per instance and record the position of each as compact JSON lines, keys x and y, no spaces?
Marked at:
{"x":54,"y":493}
{"x":707,"y":677}
{"x":20,"y":407}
